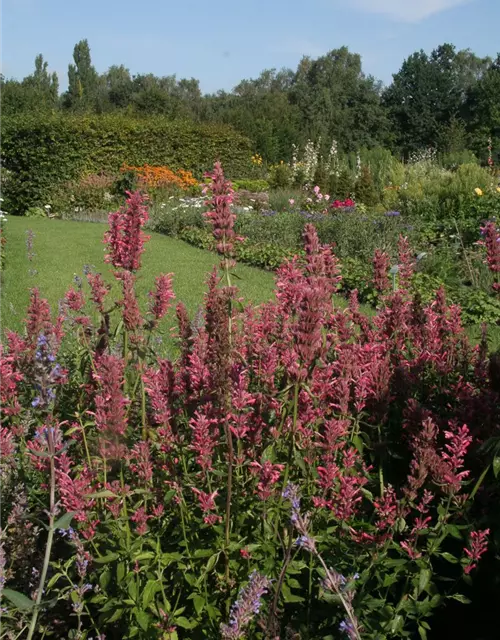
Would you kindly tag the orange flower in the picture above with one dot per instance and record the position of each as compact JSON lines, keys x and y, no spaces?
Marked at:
{"x":157,"y":177}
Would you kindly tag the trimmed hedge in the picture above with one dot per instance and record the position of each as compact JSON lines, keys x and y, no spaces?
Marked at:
{"x":40,"y":153}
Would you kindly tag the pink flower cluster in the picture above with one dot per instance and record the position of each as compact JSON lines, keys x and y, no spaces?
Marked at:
{"x":125,"y":238}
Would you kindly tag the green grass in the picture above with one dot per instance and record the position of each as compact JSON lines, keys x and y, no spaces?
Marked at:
{"x":62,"y":248}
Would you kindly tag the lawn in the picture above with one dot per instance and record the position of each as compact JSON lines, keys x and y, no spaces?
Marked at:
{"x":62,"y":248}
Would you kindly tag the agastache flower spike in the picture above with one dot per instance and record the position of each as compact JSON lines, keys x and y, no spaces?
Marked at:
{"x":221,"y":217}
{"x":125,"y":238}
{"x":477,"y":547}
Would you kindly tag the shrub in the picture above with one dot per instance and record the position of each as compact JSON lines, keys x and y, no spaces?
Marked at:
{"x":255,"y":186}
{"x":89,"y":193}
{"x":3,"y":240}
{"x":41,"y":153}
{"x":280,"y":176}
{"x":313,"y":466}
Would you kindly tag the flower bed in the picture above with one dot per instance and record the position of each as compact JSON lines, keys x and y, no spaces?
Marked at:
{"x":293,"y":468}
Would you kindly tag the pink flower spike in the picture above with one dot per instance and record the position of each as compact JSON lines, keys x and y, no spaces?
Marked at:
{"x":478,"y":545}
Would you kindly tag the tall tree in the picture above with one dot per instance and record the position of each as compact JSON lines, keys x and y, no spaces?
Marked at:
{"x":483,"y":109}
{"x":337,"y":100}
{"x":428,"y":94}
{"x":83,"y":80}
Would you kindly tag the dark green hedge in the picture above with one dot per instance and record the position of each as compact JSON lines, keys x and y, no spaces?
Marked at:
{"x":41,"y":153}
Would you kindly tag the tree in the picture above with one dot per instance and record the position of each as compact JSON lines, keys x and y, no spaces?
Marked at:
{"x":38,"y":92}
{"x":338,"y":101}
{"x":83,"y":80}
{"x":429,"y":92}
{"x":483,"y":110}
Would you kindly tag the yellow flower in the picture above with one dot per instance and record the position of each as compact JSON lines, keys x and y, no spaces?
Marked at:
{"x":478,"y":191}
{"x":498,"y":189}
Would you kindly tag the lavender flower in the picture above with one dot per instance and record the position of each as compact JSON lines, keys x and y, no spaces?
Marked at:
{"x":246,"y":607}
{"x":291,"y":492}
{"x":348,"y":628}
{"x":392,"y":214}
{"x":30,"y":236}
{"x":46,"y":374}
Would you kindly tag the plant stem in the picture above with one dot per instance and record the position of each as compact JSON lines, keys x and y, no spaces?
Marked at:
{"x":50,"y":536}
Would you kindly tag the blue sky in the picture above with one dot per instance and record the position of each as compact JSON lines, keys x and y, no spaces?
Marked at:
{"x":222,"y":41}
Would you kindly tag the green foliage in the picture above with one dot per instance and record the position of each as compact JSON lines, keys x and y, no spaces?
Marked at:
{"x":44,"y":153}
{"x":280,"y":176}
{"x":36,"y":212}
{"x":255,"y":186}
{"x":365,"y":188}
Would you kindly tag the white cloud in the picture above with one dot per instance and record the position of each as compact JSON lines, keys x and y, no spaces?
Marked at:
{"x":407,"y":10}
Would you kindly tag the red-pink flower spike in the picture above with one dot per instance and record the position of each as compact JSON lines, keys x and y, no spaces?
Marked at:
{"x":111,"y":414}
{"x":161,"y":297}
{"x":125,"y":238}
{"x":221,"y":216}
{"x":98,"y":290}
{"x":381,"y":262}
{"x":132,"y":318}
{"x":491,"y":234}
{"x":477,"y":547}
{"x":406,"y":262}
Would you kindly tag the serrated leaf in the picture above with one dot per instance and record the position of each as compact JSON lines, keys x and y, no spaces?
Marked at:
{"x":185,"y":623}
{"x":423,"y":579}
{"x":109,"y":557}
{"x":143,"y":619}
{"x":152,"y":586}
{"x":116,"y":616}
{"x":105,"y":493}
{"x":64,"y":521}
{"x":202,"y":553}
{"x":288,"y":596}
{"x":104,"y":579}
{"x":449,"y":557}
{"x":212,"y":561}
{"x":199,"y":603}
{"x":120,"y":572}
{"x":53,"y":580}
{"x":19,"y":600}
{"x":460,"y":598}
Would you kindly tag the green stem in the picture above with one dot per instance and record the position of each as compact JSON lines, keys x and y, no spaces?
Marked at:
{"x":50,"y":536}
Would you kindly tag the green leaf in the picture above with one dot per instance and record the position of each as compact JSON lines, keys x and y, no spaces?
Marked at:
{"x":288,"y":596}
{"x":53,"y":580}
{"x":460,"y":598}
{"x":64,"y":521}
{"x":212,"y":561}
{"x":422,"y":633}
{"x":185,"y":623}
{"x":142,"y":618}
{"x":105,"y":493}
{"x":109,"y":557}
{"x":116,"y":616}
{"x":479,"y":483}
{"x":449,"y":557}
{"x":202,"y":553}
{"x":152,"y":586}
{"x":19,"y":600}
{"x":496,"y":466}
{"x":104,"y":579}
{"x":120,"y":572}
{"x":199,"y":603}
{"x":423,"y":579}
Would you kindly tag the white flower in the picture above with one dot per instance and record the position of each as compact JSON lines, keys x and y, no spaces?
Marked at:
{"x":47,"y":206}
